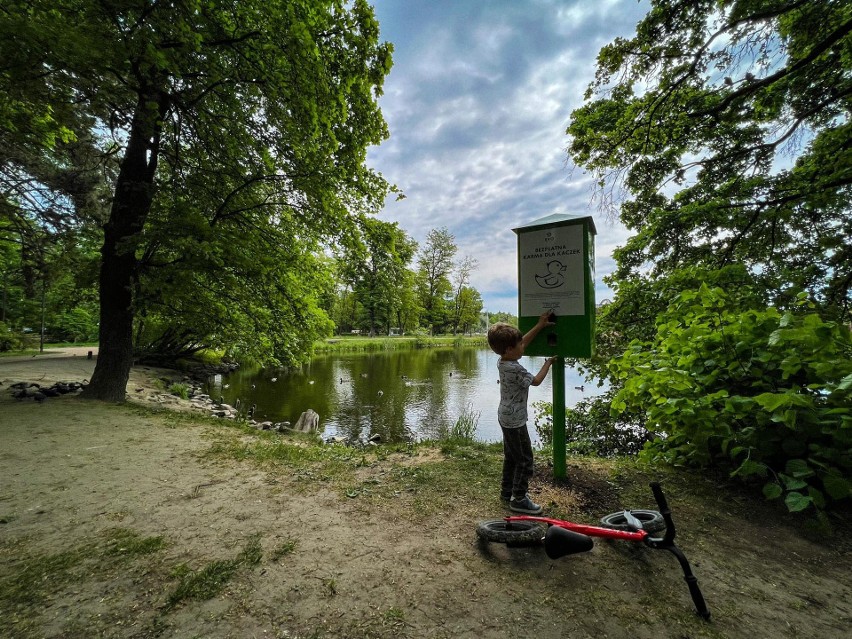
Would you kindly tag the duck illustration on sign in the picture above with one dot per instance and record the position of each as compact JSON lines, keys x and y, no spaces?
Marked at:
{"x":554,"y":278}
{"x":551,"y":271}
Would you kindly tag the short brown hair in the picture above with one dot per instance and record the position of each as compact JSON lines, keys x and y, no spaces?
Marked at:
{"x":502,"y":337}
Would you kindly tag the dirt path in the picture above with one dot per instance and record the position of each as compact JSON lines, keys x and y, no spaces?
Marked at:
{"x":69,"y":364}
{"x":52,"y":365}
{"x":145,"y":386}
{"x":74,"y":474}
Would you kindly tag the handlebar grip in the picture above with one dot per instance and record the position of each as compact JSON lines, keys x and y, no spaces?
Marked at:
{"x":666,"y":512}
{"x":660,"y":497}
{"x":697,"y":598}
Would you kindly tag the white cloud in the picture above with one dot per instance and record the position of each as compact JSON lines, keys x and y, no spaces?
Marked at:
{"x":477,"y":104}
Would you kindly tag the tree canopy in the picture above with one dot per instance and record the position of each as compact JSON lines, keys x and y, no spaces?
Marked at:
{"x":380,"y":291}
{"x":377,"y":272}
{"x":434,"y":265}
{"x":720,"y":135}
{"x":230,"y":139}
{"x":722,"y":132}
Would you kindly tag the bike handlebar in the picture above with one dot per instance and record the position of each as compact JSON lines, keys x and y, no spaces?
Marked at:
{"x":665,"y":511}
{"x":667,"y":543}
{"x":659,"y":496}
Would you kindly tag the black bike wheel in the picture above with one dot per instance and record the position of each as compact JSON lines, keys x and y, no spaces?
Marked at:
{"x":652,"y":521}
{"x":513,"y":533}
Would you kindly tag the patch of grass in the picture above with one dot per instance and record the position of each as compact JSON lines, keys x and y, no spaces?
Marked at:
{"x":466,"y":470}
{"x":171,"y":419}
{"x":204,"y":356}
{"x":330,"y":587}
{"x":408,"y":342}
{"x":71,"y":345}
{"x":179,"y":389}
{"x":201,"y":584}
{"x":462,"y":433}
{"x":380,"y":623}
{"x":211,"y":579}
{"x":31,"y":579}
{"x":30,"y":352}
{"x":304,"y":460}
{"x":125,"y":543}
{"x":469,"y":475}
{"x":36,"y":577}
{"x":286,"y":547}
{"x":393,"y":617}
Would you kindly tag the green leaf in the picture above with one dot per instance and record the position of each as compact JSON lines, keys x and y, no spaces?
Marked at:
{"x":798,"y":468}
{"x":837,"y":487}
{"x":750,"y":467}
{"x":736,"y":450}
{"x":816,"y":496}
{"x":792,"y":483}
{"x":772,"y":490}
{"x":772,"y":401}
{"x":796,"y":502}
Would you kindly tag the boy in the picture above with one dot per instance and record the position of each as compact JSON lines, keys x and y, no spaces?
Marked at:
{"x":515,"y":381}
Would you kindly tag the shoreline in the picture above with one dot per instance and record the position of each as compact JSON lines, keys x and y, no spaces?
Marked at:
{"x":145,"y":385}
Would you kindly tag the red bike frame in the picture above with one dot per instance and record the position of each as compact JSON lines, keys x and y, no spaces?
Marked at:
{"x":592,"y":531}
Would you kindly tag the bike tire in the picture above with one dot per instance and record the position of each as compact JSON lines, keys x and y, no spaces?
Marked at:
{"x":652,"y":520}
{"x":515,"y":533}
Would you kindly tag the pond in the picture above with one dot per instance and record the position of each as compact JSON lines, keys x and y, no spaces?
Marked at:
{"x":400,"y":395}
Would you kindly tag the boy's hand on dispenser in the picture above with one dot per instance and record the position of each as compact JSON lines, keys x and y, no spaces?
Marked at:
{"x":548,"y":318}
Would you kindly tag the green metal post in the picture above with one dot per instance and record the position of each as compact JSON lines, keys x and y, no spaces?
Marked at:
{"x":559,"y":418}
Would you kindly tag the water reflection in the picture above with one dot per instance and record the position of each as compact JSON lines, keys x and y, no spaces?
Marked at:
{"x":400,"y":395}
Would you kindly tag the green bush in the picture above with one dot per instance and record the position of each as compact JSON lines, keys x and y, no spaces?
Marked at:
{"x":591,"y":430}
{"x":77,"y":325}
{"x":9,"y":340}
{"x":767,"y":392}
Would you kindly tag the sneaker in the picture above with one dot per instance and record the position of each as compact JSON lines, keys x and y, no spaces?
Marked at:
{"x":525,"y":505}
{"x":506,"y":498}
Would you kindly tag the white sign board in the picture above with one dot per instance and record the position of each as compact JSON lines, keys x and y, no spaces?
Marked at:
{"x":550,"y":272}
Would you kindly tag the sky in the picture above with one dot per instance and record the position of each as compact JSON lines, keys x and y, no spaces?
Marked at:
{"x":477,"y":103}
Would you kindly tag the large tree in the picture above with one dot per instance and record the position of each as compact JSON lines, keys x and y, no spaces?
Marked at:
{"x":435,"y":265}
{"x":376,"y":270}
{"x":226,"y":120}
{"x":721,"y":132}
{"x":469,"y":306}
{"x":465,"y":298}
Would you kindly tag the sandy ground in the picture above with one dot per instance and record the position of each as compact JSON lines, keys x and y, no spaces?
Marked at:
{"x":54,"y":364}
{"x":145,"y":385}
{"x":71,"y":470}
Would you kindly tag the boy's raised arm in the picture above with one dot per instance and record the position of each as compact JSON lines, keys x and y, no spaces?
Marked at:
{"x":543,"y":320}
{"x":539,"y":378}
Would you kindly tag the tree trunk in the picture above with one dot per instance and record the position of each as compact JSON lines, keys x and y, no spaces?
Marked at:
{"x":134,"y":193}
{"x":372,"y":320}
{"x":115,"y":354}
